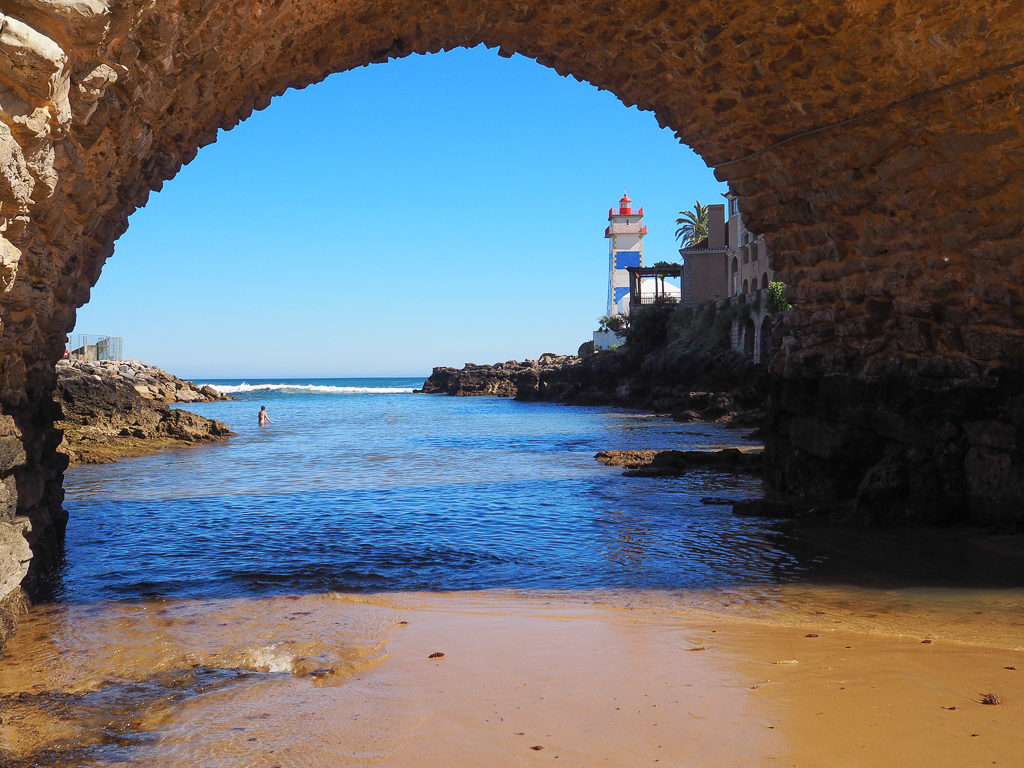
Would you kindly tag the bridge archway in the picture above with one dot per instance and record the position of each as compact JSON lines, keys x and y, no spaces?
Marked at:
{"x":877,"y":146}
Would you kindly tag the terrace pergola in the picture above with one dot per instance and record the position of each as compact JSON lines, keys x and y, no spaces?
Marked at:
{"x":636,"y":278}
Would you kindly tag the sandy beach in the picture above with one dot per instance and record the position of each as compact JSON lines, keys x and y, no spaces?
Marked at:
{"x":523,"y":679}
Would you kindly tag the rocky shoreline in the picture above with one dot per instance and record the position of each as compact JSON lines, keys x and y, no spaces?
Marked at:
{"x":720,"y":387}
{"x":113,"y":410}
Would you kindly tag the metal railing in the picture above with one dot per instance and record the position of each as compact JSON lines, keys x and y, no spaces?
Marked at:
{"x":95,"y":347}
{"x":650,"y":298}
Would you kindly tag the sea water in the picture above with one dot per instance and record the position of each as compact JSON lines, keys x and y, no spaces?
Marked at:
{"x":363,"y":485}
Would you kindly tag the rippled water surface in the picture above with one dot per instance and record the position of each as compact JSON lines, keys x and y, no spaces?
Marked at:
{"x":232,"y":604}
{"x":363,"y":485}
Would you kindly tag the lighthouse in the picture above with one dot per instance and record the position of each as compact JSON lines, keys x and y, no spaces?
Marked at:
{"x":625,"y":233}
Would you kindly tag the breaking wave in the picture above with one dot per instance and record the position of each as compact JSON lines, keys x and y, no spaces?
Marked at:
{"x":325,"y":389}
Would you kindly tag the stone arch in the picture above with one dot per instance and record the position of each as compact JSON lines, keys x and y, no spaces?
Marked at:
{"x":764,"y":281}
{"x":765,"y":347}
{"x":875,"y":146}
{"x":747,"y":333}
{"x":746,"y":286}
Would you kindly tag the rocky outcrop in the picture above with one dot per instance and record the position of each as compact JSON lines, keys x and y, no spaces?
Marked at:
{"x":689,"y":384}
{"x":900,"y":448}
{"x":112,"y":411}
{"x":149,"y":381}
{"x":524,"y":380}
{"x":676,"y":463}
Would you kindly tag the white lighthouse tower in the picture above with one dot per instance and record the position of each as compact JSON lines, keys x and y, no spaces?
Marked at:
{"x":625,"y":234}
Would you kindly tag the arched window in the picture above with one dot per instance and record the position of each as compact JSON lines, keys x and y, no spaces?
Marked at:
{"x":748,"y":338}
{"x":766,"y":341}
{"x":745,"y":288}
{"x":764,"y":280}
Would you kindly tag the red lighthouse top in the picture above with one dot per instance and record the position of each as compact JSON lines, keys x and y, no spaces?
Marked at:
{"x":625,"y":208}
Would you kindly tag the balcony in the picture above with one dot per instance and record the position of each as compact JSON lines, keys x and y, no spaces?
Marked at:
{"x":625,"y":229}
{"x":650,"y":298}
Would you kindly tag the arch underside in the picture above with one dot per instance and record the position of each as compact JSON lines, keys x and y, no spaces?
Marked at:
{"x":877,"y":145}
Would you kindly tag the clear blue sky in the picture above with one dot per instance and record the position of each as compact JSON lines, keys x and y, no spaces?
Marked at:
{"x":434,"y":210}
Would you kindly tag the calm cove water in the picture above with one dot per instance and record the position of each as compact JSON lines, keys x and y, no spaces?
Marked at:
{"x":361,"y":485}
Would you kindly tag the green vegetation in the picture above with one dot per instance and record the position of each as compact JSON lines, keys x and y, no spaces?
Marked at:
{"x":617,"y":324}
{"x":693,"y":225}
{"x":648,"y":327}
{"x":777,"y":298}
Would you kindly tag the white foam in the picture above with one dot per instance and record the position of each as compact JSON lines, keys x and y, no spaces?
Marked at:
{"x":325,"y":389}
{"x":269,"y":659}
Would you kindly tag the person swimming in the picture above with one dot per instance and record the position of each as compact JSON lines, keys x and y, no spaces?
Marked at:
{"x":264,"y":418}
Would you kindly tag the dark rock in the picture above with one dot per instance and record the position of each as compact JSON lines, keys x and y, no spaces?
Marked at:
{"x":188,"y":426}
{"x":900,"y":448}
{"x":990,"y":433}
{"x":686,"y":416}
{"x":673,"y":463}
{"x":626,"y":458}
{"x":106,"y":418}
{"x":691,"y":384}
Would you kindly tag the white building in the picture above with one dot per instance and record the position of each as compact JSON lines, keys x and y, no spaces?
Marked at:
{"x":730,"y":261}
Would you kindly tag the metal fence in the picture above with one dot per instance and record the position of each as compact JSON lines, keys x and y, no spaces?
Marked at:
{"x":650,"y":298}
{"x":91,"y":346}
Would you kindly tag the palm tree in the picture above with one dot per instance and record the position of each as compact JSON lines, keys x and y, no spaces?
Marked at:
{"x":693,"y":225}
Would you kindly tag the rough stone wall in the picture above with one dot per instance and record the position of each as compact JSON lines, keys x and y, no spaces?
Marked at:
{"x":876,"y":143}
{"x":746,"y":327}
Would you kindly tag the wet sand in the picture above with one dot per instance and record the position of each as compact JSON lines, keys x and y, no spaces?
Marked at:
{"x":786,"y":677}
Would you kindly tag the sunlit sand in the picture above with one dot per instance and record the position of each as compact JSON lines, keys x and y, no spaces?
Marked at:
{"x":788,"y":678}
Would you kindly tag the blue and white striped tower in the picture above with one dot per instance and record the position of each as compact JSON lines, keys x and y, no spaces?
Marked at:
{"x":625,"y":234}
